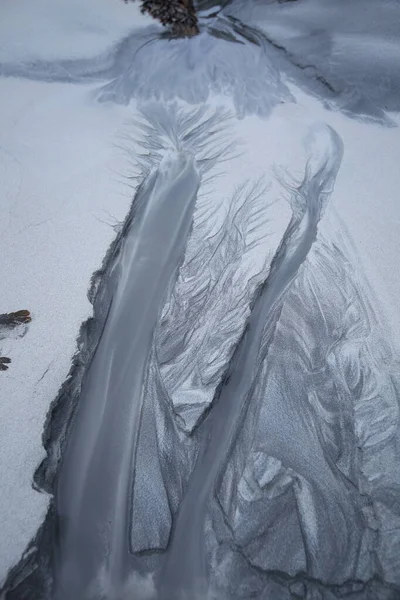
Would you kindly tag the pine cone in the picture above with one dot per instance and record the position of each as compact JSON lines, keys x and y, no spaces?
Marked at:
{"x":178,"y":14}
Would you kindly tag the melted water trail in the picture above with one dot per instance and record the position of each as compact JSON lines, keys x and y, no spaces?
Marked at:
{"x":185,"y":567}
{"x":94,"y":491}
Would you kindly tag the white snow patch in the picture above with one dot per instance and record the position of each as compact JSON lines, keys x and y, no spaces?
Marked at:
{"x":49,"y":29}
{"x":62,"y":188}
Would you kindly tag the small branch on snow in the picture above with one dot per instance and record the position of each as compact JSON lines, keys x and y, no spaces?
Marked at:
{"x":15,"y":318}
{"x":9,"y":321}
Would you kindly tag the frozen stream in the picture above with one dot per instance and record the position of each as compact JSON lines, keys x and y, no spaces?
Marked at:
{"x":94,"y":494}
{"x":95,"y":486}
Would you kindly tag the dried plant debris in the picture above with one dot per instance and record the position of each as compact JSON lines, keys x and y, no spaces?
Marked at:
{"x":11,"y":321}
{"x":178,"y":15}
{"x":20,"y":317}
{"x":4,"y":362}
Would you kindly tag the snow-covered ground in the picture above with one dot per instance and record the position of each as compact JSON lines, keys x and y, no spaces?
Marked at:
{"x":63,"y":186}
{"x":66,"y":167}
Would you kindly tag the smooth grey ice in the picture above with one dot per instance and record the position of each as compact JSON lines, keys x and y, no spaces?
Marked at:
{"x":97,"y":474}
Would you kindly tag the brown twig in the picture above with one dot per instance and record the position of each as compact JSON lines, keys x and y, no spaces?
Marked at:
{"x":15,"y":318}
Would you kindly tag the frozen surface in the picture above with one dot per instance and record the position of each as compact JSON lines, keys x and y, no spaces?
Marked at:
{"x":63,"y":187}
{"x":230,"y":424}
{"x":50,"y":30}
{"x":346,"y":55}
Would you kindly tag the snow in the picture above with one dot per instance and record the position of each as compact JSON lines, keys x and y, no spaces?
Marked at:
{"x":53,"y":238}
{"x":64,"y":29}
{"x":64,"y":185}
